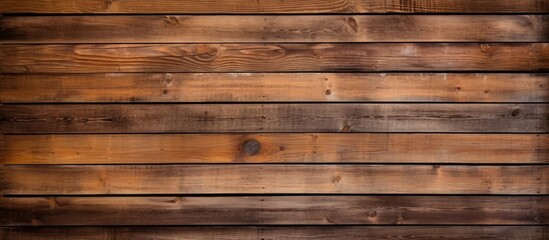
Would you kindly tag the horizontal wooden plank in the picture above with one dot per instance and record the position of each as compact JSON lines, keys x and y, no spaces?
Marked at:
{"x":279,"y":179}
{"x":379,"y":57}
{"x":275,"y":148}
{"x":268,"y":210}
{"x":278,"y":232}
{"x":278,"y":6}
{"x":269,"y":28}
{"x":266,"y":87}
{"x":171,"y":118}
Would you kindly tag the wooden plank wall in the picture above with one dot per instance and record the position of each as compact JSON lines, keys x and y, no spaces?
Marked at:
{"x":274,"y":119}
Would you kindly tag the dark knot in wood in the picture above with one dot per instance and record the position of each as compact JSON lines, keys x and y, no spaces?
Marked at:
{"x":251,"y":147}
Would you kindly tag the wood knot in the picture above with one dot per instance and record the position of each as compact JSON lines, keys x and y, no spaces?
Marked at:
{"x":108,"y":4}
{"x":353,"y":25}
{"x":212,"y":51}
{"x":328,"y":92}
{"x":175,"y":200}
{"x":515,"y":113}
{"x":53,"y":203}
{"x":167,"y":79}
{"x":336,"y":179}
{"x":486,"y":48}
{"x":205,"y":52}
{"x":372,"y":214}
{"x":164,"y":92}
{"x":171,"y":21}
{"x":346,"y":128}
{"x":203,"y":49}
{"x":251,"y":147}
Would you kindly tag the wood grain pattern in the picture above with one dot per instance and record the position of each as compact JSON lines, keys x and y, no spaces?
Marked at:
{"x":286,"y":57}
{"x":274,"y":119}
{"x":172,"y":118}
{"x":268,"y":210}
{"x":275,"y":148}
{"x":279,"y":232}
{"x":269,"y":28}
{"x":276,"y":6}
{"x":276,"y":179}
{"x":267,"y":87}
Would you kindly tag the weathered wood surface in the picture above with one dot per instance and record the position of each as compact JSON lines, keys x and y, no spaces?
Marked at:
{"x":172,"y":118}
{"x":284,"y":57}
{"x":269,"y":28}
{"x":268,"y":210}
{"x":275,"y":148}
{"x":279,"y":232}
{"x":276,"y":179}
{"x":267,"y":87}
{"x":276,"y":6}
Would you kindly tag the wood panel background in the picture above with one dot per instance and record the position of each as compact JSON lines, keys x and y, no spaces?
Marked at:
{"x":282,"y":119}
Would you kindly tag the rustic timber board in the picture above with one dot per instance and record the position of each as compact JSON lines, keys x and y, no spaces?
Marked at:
{"x":273,"y":87}
{"x":274,"y":6}
{"x":283,"y":57}
{"x":326,"y":232}
{"x":275,"y":148}
{"x":268,"y":28}
{"x":274,"y":179}
{"x":273,"y":210}
{"x":253,"y":117}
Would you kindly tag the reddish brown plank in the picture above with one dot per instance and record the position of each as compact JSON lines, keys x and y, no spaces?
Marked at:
{"x":268,"y":210}
{"x":359,"y":57}
{"x":265,"y":87}
{"x":274,"y":148}
{"x":188,"y":118}
{"x":272,"y":28}
{"x":276,"y":179}
{"x":273,"y":6}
